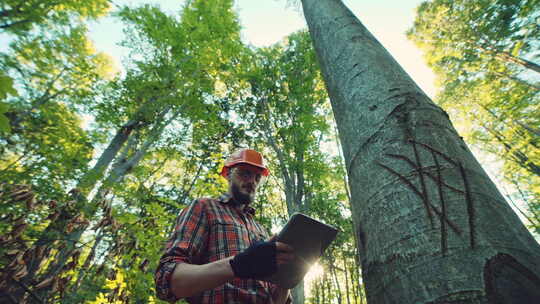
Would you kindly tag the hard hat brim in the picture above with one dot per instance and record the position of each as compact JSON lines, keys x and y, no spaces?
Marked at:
{"x":225,"y":168}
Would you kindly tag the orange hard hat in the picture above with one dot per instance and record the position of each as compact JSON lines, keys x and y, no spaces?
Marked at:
{"x":245,"y":156}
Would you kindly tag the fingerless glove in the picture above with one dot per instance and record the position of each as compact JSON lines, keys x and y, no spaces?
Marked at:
{"x":256,"y":262}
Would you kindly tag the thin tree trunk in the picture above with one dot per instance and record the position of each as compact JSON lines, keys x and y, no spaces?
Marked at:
{"x":518,"y":156}
{"x":529,"y":128}
{"x":336,"y":282}
{"x":323,"y":289}
{"x":531,"y":206}
{"x":294,"y":190}
{"x":121,"y":168}
{"x":346,"y":276}
{"x":507,"y":57}
{"x":535,"y":86}
{"x":519,"y":61}
{"x":454,"y":239}
{"x":86,"y":265}
{"x":518,"y":132}
{"x":525,"y":215}
{"x":88,"y":181}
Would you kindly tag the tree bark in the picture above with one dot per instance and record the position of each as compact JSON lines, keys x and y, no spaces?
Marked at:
{"x":431,"y":225}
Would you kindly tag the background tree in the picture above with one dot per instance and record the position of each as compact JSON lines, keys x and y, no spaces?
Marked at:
{"x":483,"y":53}
{"x":172,"y":81}
{"x":19,"y":17}
{"x":287,"y":94}
{"x":285,"y":110}
{"x":55,"y":71}
{"x":420,"y":200}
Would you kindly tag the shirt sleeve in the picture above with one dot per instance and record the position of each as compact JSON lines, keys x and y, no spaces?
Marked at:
{"x":186,"y":244}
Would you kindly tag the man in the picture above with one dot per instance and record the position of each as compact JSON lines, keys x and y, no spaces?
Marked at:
{"x":217,"y":253}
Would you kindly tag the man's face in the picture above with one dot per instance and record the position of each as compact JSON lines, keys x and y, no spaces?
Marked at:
{"x":243,"y":182}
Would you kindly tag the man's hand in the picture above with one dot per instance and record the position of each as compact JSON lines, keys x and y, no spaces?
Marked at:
{"x":284,"y":253}
{"x":261,"y":259}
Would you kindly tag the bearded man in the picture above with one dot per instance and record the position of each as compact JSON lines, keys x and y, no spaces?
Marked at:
{"x":217,"y":252}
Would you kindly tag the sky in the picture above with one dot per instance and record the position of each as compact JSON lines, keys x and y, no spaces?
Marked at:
{"x":265,"y":22}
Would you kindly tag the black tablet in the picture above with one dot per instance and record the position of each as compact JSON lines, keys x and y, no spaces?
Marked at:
{"x":309,"y":238}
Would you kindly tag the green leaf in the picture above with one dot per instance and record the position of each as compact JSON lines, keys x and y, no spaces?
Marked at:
{"x":6,"y":87}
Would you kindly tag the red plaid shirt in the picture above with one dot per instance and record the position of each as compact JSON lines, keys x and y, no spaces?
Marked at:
{"x":209,"y":230}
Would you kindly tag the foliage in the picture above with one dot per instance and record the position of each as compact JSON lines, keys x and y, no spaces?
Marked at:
{"x":19,"y":17}
{"x":6,"y":87}
{"x":284,"y":107}
{"x":55,"y":72}
{"x":95,"y":165}
{"x":484,"y":53}
{"x":465,"y":37}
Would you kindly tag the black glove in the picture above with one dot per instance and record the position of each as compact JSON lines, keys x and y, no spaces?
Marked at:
{"x":256,"y":262}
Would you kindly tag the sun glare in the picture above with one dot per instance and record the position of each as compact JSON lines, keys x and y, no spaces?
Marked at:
{"x":315,"y":272}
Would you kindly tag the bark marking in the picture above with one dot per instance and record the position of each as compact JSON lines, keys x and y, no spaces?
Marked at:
{"x":417,"y":192}
{"x":468,"y":194}
{"x":444,"y":229}
{"x":425,"y":196}
{"x":470,"y":206}
{"x":437,"y":177}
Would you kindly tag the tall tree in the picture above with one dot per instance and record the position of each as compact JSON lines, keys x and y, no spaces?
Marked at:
{"x":287,"y":108}
{"x":431,"y":225}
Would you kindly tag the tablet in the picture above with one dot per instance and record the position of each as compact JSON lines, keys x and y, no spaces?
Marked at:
{"x":309,"y":238}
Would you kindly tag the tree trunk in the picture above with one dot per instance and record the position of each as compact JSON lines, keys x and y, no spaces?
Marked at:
{"x":336,"y":281}
{"x":89,"y":180}
{"x":346,"y":276}
{"x":507,"y":57}
{"x":297,"y":293}
{"x":119,"y":170}
{"x":519,"y":61}
{"x":517,"y":156}
{"x":431,"y":225}
{"x":323,"y":289}
{"x":293,"y":180}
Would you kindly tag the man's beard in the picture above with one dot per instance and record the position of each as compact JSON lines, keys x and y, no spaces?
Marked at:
{"x":239,"y":197}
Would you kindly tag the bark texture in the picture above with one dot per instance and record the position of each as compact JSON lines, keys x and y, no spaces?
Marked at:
{"x":432,"y":227}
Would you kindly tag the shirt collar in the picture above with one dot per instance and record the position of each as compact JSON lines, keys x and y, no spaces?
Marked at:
{"x":226,"y":199}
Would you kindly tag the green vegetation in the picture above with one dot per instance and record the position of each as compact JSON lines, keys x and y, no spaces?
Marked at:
{"x":96,"y":164}
{"x":484,"y":53}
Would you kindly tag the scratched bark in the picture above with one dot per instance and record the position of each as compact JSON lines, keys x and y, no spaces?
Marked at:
{"x":432,"y":227}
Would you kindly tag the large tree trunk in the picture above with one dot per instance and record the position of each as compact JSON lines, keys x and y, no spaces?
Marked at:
{"x":431,"y":225}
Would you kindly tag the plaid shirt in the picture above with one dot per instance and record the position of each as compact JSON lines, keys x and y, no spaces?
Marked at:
{"x":209,"y":230}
